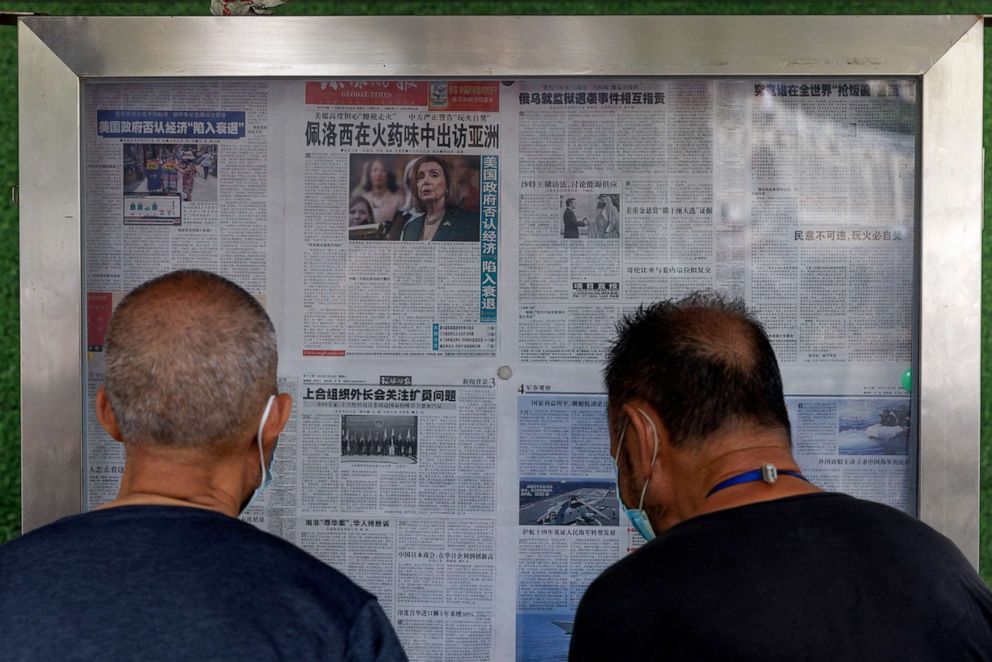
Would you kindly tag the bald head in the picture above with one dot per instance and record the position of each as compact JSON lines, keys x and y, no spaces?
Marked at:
{"x":191,"y":360}
{"x":702,"y":362}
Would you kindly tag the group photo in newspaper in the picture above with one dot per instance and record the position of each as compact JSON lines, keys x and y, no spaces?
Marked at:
{"x":445,"y":263}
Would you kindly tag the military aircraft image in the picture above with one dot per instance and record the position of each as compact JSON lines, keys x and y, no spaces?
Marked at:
{"x":581,"y":506}
{"x":543,"y":637}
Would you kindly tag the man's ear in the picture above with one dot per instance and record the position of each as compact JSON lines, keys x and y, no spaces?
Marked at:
{"x":644,"y":429}
{"x":105,"y":414}
{"x":278,"y":415}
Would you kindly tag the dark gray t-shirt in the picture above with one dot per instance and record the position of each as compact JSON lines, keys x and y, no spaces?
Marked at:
{"x":173,"y":583}
{"x":813,"y":577}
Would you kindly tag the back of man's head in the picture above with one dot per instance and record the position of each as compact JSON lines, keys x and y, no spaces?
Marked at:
{"x":702,"y":363}
{"x":191,"y":358}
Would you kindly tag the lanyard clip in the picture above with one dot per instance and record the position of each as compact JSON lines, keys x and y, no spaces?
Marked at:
{"x":769,"y":473}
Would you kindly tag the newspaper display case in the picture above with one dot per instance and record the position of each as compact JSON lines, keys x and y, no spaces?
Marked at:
{"x":448,"y":447}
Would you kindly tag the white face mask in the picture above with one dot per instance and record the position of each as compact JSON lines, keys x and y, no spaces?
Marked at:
{"x":637,"y":516}
{"x":266,"y":472}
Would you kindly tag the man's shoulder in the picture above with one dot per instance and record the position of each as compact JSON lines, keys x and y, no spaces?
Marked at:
{"x":814,"y":563}
{"x":160,"y":573}
{"x":219,"y":543}
{"x":829,"y":515}
{"x":847,"y":524}
{"x":839,"y":514}
{"x":818,"y":505}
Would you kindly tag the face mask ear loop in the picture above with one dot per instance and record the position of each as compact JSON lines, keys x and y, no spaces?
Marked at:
{"x":654,"y":456}
{"x":623,"y":434}
{"x":261,"y":425}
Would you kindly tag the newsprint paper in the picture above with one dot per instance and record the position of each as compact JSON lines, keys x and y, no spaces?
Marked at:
{"x":448,"y":447}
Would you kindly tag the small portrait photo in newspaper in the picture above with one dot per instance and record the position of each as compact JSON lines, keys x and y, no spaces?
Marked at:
{"x":590,"y":215}
{"x":379,"y":439}
{"x":411,"y":197}
{"x":568,"y":502}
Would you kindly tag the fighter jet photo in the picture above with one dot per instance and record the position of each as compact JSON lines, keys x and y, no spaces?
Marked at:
{"x":569,"y":504}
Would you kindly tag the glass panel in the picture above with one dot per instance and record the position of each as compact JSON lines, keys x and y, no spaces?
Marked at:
{"x":448,"y":398}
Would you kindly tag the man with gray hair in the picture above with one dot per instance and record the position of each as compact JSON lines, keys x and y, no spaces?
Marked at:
{"x":166,"y":571}
{"x":751,"y":561}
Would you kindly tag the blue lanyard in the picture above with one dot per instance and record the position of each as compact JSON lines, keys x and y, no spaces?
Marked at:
{"x":753,"y":476}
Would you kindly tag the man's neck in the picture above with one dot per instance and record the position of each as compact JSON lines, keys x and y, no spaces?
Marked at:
{"x":700,"y":472}
{"x":178,"y":478}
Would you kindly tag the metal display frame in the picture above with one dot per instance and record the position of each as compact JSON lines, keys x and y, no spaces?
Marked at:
{"x":58,"y":54}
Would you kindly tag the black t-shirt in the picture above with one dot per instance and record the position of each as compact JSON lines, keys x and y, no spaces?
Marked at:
{"x":812,"y":577}
{"x":173,"y":583}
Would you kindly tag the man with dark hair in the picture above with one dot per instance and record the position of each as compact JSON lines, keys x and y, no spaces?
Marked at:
{"x":752,"y":561}
{"x":166,"y":571}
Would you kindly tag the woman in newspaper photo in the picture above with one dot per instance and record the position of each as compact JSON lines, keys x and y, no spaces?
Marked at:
{"x":597,"y":229}
{"x":611,"y":215}
{"x":393,"y":230}
{"x":441,"y":218}
{"x":359,"y":212}
{"x":378,"y":186}
{"x":187,"y":168}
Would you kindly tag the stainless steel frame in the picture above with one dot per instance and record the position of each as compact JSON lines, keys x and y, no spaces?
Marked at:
{"x":57,"y":54}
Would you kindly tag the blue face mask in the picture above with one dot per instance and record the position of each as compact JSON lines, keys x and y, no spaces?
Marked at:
{"x":267,"y":474}
{"x":637,"y":516}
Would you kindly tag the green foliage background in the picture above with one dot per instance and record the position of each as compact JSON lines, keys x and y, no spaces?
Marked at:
{"x":9,"y":319}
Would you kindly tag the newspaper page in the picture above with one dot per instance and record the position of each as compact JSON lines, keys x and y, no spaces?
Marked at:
{"x":560,"y":519}
{"x":392,"y":217}
{"x":175,"y":175}
{"x":389,"y":478}
{"x":796,"y":196}
{"x":448,"y":447}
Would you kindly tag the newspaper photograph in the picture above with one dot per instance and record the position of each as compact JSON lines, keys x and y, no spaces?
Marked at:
{"x":856,"y":445}
{"x":565,"y":502}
